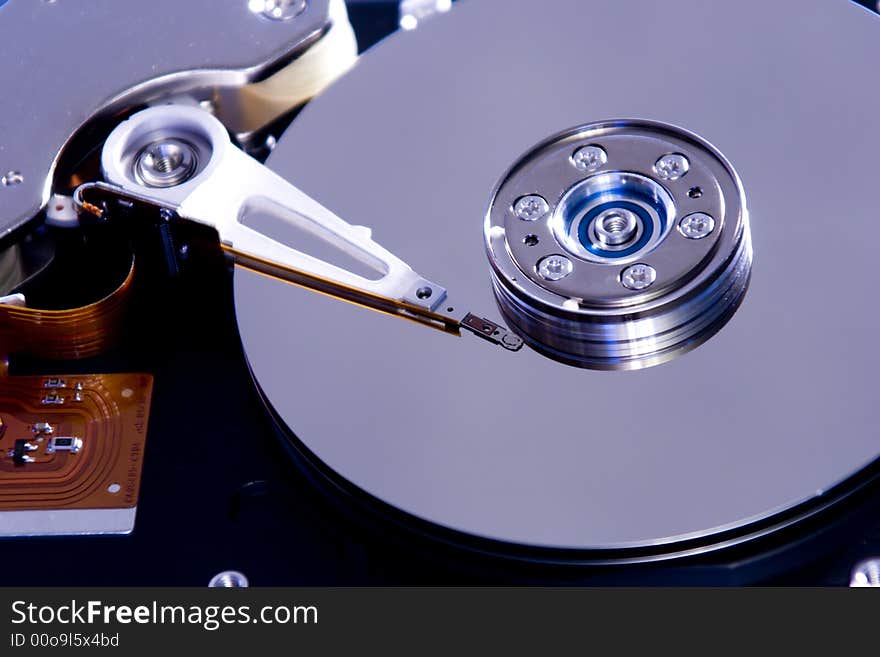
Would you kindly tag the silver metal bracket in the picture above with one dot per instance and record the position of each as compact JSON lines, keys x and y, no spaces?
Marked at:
{"x":181,"y":160}
{"x":126,"y":53}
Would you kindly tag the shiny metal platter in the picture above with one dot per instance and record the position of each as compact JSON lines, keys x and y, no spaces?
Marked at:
{"x":757,"y":423}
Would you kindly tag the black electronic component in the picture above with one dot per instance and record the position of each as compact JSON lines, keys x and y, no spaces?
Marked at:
{"x":20,"y":452}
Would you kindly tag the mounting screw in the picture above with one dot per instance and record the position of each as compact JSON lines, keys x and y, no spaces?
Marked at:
{"x":229,"y":579}
{"x":555,"y":267}
{"x":672,"y":166}
{"x":165,"y":163}
{"x":589,"y":158}
{"x":531,"y":207}
{"x":696,"y":226}
{"x":866,"y":574}
{"x":278,"y":10}
{"x":12,"y":178}
{"x":638,"y":277}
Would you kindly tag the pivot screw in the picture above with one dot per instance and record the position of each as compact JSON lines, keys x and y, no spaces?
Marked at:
{"x":866,"y":574}
{"x":531,"y":207}
{"x":555,"y":267}
{"x":278,"y":10}
{"x":696,"y":226}
{"x":589,"y":158}
{"x":165,"y":163}
{"x":672,"y":166}
{"x":12,"y":178}
{"x":638,"y":277}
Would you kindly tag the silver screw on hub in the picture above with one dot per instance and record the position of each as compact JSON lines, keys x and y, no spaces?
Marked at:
{"x":555,"y":267}
{"x":229,"y":579}
{"x":531,"y":207}
{"x":278,"y":10}
{"x":672,"y":166}
{"x":165,"y":163}
{"x":589,"y":158}
{"x":866,"y":574}
{"x":696,"y":226}
{"x":638,"y":277}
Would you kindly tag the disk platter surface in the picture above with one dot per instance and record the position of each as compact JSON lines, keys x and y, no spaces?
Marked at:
{"x":765,"y":417}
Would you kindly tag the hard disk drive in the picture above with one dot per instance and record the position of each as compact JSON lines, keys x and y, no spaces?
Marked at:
{"x":633,"y":243}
